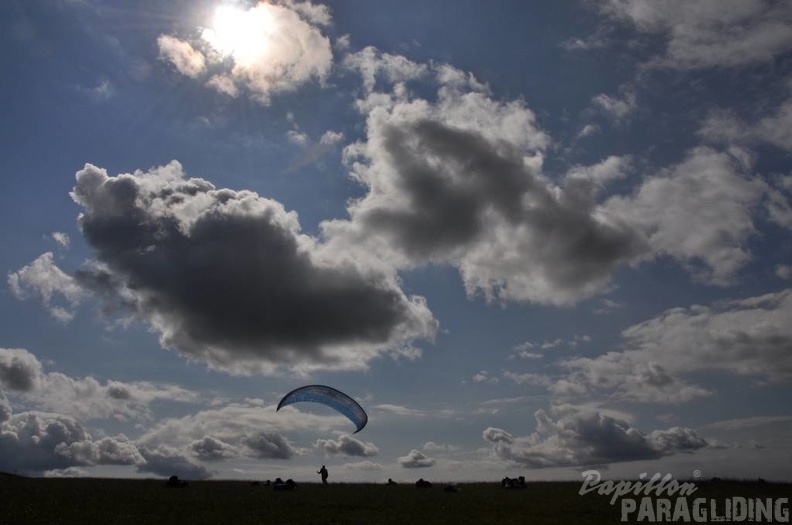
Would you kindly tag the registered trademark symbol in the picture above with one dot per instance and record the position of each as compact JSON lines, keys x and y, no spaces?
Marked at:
{"x":696,"y":473}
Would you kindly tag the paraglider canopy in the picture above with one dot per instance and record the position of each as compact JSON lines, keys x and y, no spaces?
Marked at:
{"x":331,"y":397}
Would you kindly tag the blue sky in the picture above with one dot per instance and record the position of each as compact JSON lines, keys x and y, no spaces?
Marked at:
{"x":529,"y":238}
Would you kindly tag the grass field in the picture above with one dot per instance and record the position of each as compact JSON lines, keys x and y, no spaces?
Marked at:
{"x":115,"y":501}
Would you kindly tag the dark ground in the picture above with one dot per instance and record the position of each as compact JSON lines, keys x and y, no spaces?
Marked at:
{"x":123,"y":501}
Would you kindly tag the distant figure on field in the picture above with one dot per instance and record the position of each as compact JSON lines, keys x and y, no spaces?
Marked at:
{"x":423,"y":484}
{"x":513,"y":483}
{"x":391,"y":482}
{"x":175,"y":482}
{"x":281,"y":486}
{"x":323,"y":472}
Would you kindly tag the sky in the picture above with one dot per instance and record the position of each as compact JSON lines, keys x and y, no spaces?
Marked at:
{"x":529,"y":238}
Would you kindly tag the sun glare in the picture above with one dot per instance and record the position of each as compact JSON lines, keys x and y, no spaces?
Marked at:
{"x":240,"y":34}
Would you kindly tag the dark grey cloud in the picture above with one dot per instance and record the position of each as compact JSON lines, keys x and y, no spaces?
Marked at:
{"x":226,"y":276}
{"x":347,"y":445}
{"x":269,"y":445}
{"x":587,"y":437}
{"x":34,"y":442}
{"x":19,"y":370}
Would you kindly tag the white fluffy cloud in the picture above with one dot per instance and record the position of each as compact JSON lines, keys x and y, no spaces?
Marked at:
{"x":45,"y":280}
{"x":416,"y":459}
{"x":579,"y":437}
{"x":700,"y":212}
{"x":226,"y":277}
{"x":710,"y":33}
{"x":262,"y":50}
{"x":187,"y":60}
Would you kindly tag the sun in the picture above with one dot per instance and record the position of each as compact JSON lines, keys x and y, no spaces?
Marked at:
{"x":241,"y":34}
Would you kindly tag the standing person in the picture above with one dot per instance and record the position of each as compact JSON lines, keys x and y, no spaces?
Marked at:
{"x":323,"y":472}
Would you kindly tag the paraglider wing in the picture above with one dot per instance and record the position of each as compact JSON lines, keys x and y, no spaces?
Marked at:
{"x":331,"y":397}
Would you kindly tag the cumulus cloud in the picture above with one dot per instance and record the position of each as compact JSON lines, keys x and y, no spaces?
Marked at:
{"x":226,"y":276}
{"x":347,"y":445}
{"x":749,"y":337}
{"x":35,"y":442}
{"x":416,"y":459}
{"x":710,"y":33}
{"x":187,"y":60}
{"x":579,"y":437}
{"x":252,"y":428}
{"x":210,"y":448}
{"x":260,"y":50}
{"x":19,"y":370}
{"x":269,"y":445}
{"x":169,"y":461}
{"x":45,"y":280}
{"x":21,"y":373}
{"x":458,"y":181}
{"x":699,"y":212}
{"x":5,"y":408}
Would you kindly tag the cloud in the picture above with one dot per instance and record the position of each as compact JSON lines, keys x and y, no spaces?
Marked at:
{"x":416,"y":459}
{"x":458,"y":181}
{"x":210,"y":448}
{"x":371,"y":64}
{"x":699,"y":212}
{"x":617,"y":109}
{"x":261,"y":50}
{"x":44,"y":279}
{"x":431,"y":446}
{"x":313,"y":152}
{"x":579,"y":437}
{"x":779,"y":201}
{"x":5,"y":408}
{"x":168,"y":461}
{"x":347,"y":445}
{"x":269,"y":445}
{"x":36,"y":442}
{"x":226,"y":277}
{"x":484,"y":377}
{"x":239,"y":425}
{"x":749,"y":337}
{"x":363,"y":465}
{"x":61,"y":238}
{"x":784,"y":271}
{"x":774,"y":128}
{"x":187,"y":60}
{"x":21,"y":373}
{"x":710,"y":33}
{"x":19,"y":370}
